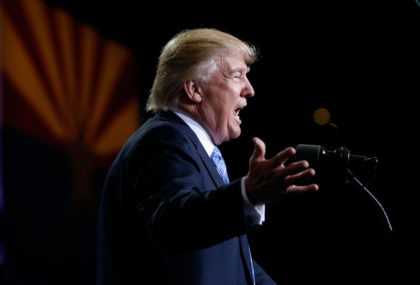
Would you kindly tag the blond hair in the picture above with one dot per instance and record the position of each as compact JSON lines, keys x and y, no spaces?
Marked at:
{"x":191,"y":54}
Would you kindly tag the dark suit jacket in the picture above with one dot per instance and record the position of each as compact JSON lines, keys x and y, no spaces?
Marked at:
{"x":160,"y":220}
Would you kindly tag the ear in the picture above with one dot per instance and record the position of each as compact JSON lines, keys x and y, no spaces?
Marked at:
{"x":193,"y":90}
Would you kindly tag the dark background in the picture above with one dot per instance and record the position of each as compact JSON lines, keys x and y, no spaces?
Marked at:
{"x":359,"y":59}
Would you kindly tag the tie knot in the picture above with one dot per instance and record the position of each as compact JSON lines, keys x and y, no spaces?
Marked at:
{"x":216,"y":154}
{"x":219,"y":162}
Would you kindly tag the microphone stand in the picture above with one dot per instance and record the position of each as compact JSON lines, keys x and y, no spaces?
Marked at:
{"x":360,"y":185}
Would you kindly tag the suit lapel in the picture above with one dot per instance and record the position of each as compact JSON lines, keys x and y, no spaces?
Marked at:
{"x":215,"y":176}
{"x":246,"y":256}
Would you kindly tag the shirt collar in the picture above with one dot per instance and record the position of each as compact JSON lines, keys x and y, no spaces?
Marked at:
{"x":200,"y":132}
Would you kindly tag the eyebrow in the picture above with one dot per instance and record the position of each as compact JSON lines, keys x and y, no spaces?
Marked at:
{"x":240,"y":69}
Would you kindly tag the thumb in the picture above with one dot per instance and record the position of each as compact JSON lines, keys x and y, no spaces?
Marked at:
{"x":259,"y":150}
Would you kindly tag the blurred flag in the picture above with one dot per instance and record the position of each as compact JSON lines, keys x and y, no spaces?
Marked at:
{"x":67,"y":86}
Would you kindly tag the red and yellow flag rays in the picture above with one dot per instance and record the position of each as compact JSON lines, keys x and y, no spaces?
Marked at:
{"x":65,"y":85}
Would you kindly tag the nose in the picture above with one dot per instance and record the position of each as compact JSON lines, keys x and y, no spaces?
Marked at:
{"x":248,"y":90}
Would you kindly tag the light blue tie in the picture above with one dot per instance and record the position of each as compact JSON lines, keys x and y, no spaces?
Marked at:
{"x":219,"y":162}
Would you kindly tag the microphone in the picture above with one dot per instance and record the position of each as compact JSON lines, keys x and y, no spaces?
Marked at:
{"x":338,"y":159}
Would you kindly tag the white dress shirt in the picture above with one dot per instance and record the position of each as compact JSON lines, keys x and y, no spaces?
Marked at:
{"x":257,"y":215}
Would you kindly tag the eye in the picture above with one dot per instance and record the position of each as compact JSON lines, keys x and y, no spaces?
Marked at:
{"x":237,"y":75}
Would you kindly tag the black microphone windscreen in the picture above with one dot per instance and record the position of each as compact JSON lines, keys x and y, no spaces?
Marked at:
{"x":309,"y":153}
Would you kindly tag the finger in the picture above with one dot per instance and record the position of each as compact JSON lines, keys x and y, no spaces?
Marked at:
{"x":294,"y":167}
{"x":296,"y":189}
{"x":283,"y":156}
{"x":300,"y":177}
{"x":259,"y":150}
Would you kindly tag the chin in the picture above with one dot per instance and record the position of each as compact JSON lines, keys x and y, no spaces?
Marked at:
{"x":235,"y":134}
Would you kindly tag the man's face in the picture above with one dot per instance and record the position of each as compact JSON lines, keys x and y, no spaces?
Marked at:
{"x":223,"y":98}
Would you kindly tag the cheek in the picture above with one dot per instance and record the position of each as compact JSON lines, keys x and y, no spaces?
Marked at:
{"x":227,"y":113}
{"x":222,"y":108}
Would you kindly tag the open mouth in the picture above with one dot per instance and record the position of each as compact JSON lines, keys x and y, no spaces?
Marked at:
{"x":237,"y":111}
